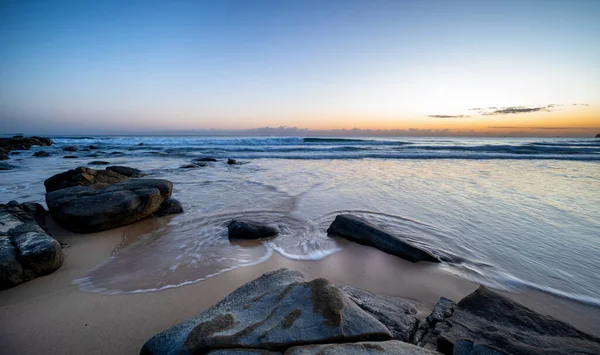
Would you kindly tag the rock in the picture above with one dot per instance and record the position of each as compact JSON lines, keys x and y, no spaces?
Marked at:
{"x":205,"y":159}
{"x":15,"y":153}
{"x":92,"y":155}
{"x":116,"y":153}
{"x":427,"y":334}
{"x":494,"y":324}
{"x":170,"y":206}
{"x":127,"y":171}
{"x":21,"y":143}
{"x":82,"y":209}
{"x":70,"y":149}
{"x":358,"y":230}
{"x":5,"y":166}
{"x":91,"y":146}
{"x":99,"y":162}
{"x":96,"y":179}
{"x":26,"y":250}
{"x":192,"y":166}
{"x":4,"y":156}
{"x":398,"y":315}
{"x":70,"y":157}
{"x":245,"y":229}
{"x":11,"y":271}
{"x":277,"y":311}
{"x":598,"y":135}
{"x":19,"y":136}
{"x":242,"y":352}
{"x":231,"y":161}
{"x":139,"y":144}
{"x":364,"y":348}
{"x":41,"y":154}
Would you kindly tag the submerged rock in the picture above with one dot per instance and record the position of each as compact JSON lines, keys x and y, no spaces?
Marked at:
{"x":277,"y":311}
{"x":231,"y":161}
{"x":493,"y":324}
{"x":99,"y":162}
{"x":70,"y":149}
{"x":70,"y":157}
{"x":192,"y":166}
{"x":205,"y":159}
{"x":127,"y":171}
{"x":26,"y":250}
{"x":82,"y":209}
{"x":5,"y":166}
{"x":41,"y":154}
{"x":91,"y":146}
{"x":245,"y":229}
{"x":95,"y":179}
{"x":358,"y":230}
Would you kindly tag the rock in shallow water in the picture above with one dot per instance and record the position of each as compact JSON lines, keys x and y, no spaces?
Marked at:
{"x":170,"y":206}
{"x":363,"y":232}
{"x":245,"y":229}
{"x":81,"y":176}
{"x":82,"y":209}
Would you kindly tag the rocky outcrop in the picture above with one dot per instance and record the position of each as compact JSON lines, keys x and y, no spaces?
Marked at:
{"x":21,"y":143}
{"x":82,"y":209}
{"x":95,"y":179}
{"x":598,"y":135}
{"x":127,"y":171}
{"x":486,"y":322}
{"x":275,"y":312}
{"x":358,"y":230}
{"x":398,"y":315}
{"x":283,"y":313}
{"x":26,"y":250}
{"x":245,"y":229}
{"x":364,"y":348}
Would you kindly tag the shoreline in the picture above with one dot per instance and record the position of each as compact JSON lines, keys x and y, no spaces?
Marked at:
{"x":53,"y":309}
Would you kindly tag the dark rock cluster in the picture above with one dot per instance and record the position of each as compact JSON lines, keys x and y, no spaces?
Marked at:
{"x":283,"y":313}
{"x":26,"y":250}
{"x":7,"y":145}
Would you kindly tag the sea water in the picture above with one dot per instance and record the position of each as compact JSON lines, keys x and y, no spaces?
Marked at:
{"x":506,"y":212}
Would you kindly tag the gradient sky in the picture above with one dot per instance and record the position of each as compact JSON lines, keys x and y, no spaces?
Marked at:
{"x":157,"y":65}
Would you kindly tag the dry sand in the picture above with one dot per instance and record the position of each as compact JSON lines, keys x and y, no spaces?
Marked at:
{"x":49,"y":315}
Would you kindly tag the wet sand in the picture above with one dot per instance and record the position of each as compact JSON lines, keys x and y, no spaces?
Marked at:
{"x":50,"y":315}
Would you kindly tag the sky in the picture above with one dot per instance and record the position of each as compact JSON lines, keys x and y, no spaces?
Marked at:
{"x":489,"y":67}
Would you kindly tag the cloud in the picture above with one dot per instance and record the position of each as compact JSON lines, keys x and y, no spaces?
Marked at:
{"x":550,"y":128}
{"x":586,"y":105}
{"x":448,"y":116}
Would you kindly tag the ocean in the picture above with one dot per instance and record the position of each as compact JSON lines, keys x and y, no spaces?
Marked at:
{"x":511,"y":213}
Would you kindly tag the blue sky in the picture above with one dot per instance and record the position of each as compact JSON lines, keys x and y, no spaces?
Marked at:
{"x":317,"y":64}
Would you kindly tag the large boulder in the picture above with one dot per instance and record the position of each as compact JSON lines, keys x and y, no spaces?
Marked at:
{"x":360,"y":231}
{"x":82,"y":209}
{"x":95,"y":179}
{"x":486,"y":322}
{"x":394,"y":347}
{"x":277,"y":311}
{"x":26,"y":250}
{"x":246,"y":229}
{"x":398,"y":315}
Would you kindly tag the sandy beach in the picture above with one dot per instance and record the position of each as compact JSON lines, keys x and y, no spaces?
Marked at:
{"x":50,"y":315}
